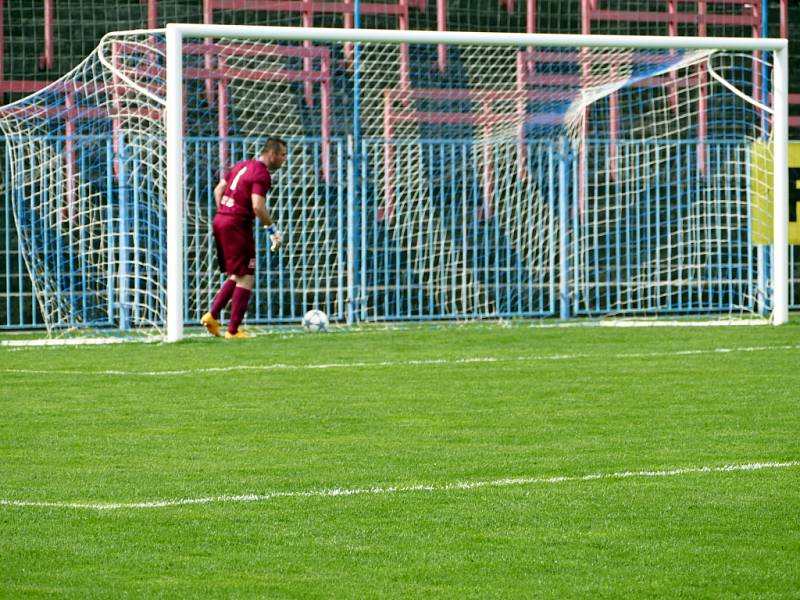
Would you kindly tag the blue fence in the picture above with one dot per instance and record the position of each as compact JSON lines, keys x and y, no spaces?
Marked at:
{"x":453,"y":246}
{"x":676,"y":238}
{"x":435,"y":242}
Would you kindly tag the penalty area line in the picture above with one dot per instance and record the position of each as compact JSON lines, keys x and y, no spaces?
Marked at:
{"x":383,"y":490}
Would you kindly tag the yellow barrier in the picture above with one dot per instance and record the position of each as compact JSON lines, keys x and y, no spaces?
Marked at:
{"x":761,"y":192}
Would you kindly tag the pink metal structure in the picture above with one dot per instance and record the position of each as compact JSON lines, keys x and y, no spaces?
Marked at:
{"x":71,"y":112}
{"x":152,"y":14}
{"x":441,"y":25}
{"x":68,"y":211}
{"x":224,"y":69}
{"x":794,"y":99}
{"x":530,"y":16}
{"x":223,"y":72}
{"x":308,"y":9}
{"x":46,"y":60}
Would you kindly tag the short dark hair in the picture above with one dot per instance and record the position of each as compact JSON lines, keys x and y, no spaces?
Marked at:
{"x":274,"y":144}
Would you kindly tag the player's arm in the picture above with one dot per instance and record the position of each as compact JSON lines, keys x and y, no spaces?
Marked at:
{"x":260,"y":210}
{"x":219,"y":191}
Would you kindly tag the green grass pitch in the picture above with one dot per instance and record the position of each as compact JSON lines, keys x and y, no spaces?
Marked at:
{"x":473,"y":461}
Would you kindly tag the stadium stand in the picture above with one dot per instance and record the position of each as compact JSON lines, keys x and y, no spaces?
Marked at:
{"x":41,"y":40}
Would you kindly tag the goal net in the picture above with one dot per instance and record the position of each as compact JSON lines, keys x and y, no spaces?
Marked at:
{"x":429,"y":176}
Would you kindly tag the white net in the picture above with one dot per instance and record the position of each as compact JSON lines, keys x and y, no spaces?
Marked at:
{"x":487,"y":181}
{"x":87,"y":188}
{"x":673,"y":185}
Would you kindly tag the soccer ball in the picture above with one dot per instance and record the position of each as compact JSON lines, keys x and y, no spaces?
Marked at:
{"x":315,"y":321}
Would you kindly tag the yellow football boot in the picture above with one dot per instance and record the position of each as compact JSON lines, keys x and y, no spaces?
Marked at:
{"x":211,"y":324}
{"x":239,"y":335}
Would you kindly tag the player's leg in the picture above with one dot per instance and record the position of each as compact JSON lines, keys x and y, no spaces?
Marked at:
{"x":240,"y":251}
{"x":223,"y":297}
{"x":241,"y":298}
{"x":211,"y":319}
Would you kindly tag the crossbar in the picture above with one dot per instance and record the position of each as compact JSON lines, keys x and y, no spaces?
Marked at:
{"x":325,"y":34}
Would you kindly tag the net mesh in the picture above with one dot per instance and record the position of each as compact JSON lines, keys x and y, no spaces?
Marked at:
{"x":480,"y":171}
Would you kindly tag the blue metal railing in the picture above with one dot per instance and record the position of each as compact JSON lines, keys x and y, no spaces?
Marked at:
{"x":443,"y":257}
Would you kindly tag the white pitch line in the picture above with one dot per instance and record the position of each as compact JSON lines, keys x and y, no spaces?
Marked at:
{"x":390,"y":363}
{"x":379,"y":490}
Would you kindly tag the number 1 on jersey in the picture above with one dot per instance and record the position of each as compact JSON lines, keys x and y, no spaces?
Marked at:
{"x":235,"y":181}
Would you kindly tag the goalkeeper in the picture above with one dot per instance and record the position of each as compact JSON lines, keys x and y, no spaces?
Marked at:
{"x":241,"y":196}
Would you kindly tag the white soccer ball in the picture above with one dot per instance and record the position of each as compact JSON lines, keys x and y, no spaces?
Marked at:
{"x":315,"y":321}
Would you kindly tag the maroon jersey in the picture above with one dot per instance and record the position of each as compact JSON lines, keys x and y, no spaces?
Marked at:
{"x":244,"y":179}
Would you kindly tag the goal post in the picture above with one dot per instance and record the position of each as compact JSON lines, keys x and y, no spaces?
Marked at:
{"x":175,"y":191}
{"x":779,"y":134}
{"x":780,"y":107}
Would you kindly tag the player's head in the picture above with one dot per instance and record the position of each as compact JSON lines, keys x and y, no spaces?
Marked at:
{"x":273,"y":153}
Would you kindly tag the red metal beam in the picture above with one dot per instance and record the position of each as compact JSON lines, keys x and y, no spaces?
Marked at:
{"x":479,"y":118}
{"x":254,"y":50}
{"x":441,"y":25}
{"x":784,"y":19}
{"x":2,"y":50}
{"x":22,"y":86}
{"x":208,"y":17}
{"x":731,"y":2}
{"x":569,"y":58}
{"x":630,"y":16}
{"x":222,"y":125}
{"x":349,"y":23}
{"x":308,"y":21}
{"x":152,"y":14}
{"x":47,"y":59}
{"x":460,"y":94}
{"x":68,"y":211}
{"x":530,"y":17}
{"x":228,"y":73}
{"x":702,"y":119}
{"x":76,"y":114}
{"x":300,"y":6}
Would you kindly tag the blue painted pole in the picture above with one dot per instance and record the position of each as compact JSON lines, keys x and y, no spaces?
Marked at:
{"x":765,"y":74}
{"x":8,"y":190}
{"x":123,"y":296}
{"x":357,"y":232}
{"x":112,"y":240}
{"x":563,"y":232}
{"x":340,"y":264}
{"x":351,"y":273}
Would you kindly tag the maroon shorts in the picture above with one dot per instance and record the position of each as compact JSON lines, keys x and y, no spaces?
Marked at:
{"x":236,"y":246}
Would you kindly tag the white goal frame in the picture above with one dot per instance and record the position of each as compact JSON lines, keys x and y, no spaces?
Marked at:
{"x":174,"y":123}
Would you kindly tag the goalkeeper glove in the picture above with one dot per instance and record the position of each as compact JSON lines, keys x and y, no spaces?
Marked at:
{"x":275,"y":236}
